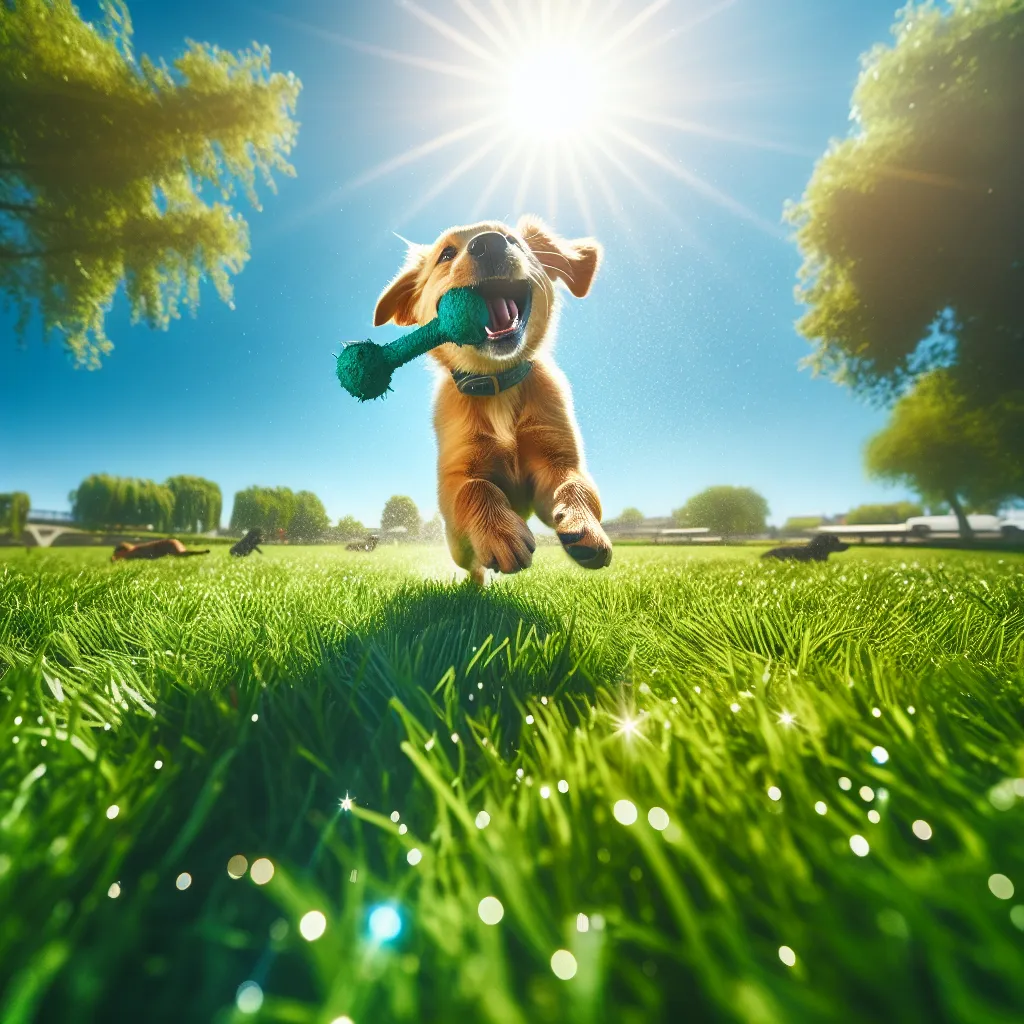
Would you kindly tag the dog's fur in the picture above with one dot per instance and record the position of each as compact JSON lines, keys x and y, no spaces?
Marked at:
{"x":503,"y":457}
{"x":369,"y":544}
{"x":817,"y":550}
{"x":248,"y":544}
{"x":154,"y":549}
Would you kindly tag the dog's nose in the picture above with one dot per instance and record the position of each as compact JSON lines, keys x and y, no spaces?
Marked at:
{"x":487,"y":243}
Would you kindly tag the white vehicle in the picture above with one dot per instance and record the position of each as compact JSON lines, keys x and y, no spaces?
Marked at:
{"x":925,"y":526}
{"x":1011,"y":524}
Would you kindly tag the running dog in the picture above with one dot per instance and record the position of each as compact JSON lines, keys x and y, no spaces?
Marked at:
{"x":508,"y":444}
{"x":167,"y":546}
{"x":817,"y":550}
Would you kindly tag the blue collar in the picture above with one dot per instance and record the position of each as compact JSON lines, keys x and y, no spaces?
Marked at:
{"x":482,"y":385}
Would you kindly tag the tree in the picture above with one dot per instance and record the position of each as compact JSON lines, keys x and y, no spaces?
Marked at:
{"x":268,"y":509}
{"x":349,"y":528}
{"x":898,"y":512}
{"x":725,"y":510}
{"x":14,"y":512}
{"x":399,"y":512}
{"x":103,"y":162}
{"x":943,"y":448}
{"x":309,"y":520}
{"x":912,"y":228}
{"x":103,"y":501}
{"x":432,"y":530}
{"x":631,"y":517}
{"x":197,"y":504}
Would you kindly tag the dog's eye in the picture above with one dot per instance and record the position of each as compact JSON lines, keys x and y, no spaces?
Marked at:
{"x":448,"y":253}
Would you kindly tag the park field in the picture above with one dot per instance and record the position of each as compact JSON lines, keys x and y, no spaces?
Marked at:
{"x":694,"y":786}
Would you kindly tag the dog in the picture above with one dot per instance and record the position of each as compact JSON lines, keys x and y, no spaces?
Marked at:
{"x":508,"y":444}
{"x":167,"y":546}
{"x":817,"y":550}
{"x":363,"y":545}
{"x":248,"y":544}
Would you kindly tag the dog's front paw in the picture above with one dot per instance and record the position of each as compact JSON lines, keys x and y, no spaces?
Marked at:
{"x":582,"y":537}
{"x":505,"y":546}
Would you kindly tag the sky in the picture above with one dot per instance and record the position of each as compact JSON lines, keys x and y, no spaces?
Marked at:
{"x":684,"y":360}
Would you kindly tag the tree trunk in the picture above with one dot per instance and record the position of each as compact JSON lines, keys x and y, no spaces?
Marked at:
{"x":966,"y":533}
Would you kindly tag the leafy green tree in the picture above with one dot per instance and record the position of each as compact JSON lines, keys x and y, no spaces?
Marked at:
{"x":945,"y":449}
{"x":350,"y":528}
{"x":631,"y":517}
{"x":432,"y":530}
{"x":912,"y":228}
{"x":14,"y":512}
{"x":104,"y":161}
{"x":400,"y":511}
{"x":103,"y":501}
{"x":728,"y":511}
{"x":897,"y":512}
{"x":268,"y":509}
{"x":197,"y":504}
{"x":309,"y":520}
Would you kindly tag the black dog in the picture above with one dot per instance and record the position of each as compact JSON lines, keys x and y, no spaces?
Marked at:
{"x":817,"y":551}
{"x":248,"y":544}
{"x":363,"y":545}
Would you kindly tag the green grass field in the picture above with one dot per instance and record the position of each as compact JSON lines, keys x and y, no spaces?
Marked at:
{"x":706,"y":787}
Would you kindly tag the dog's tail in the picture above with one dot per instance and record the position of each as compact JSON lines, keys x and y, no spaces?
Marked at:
{"x":188,"y":554}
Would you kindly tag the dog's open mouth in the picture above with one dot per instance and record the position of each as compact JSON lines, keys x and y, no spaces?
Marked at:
{"x":508,"y":303}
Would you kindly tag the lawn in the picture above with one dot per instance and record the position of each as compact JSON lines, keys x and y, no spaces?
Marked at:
{"x":694,"y":786}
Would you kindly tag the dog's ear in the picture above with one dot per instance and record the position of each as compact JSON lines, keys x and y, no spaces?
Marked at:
{"x":574,"y":262}
{"x":399,"y":298}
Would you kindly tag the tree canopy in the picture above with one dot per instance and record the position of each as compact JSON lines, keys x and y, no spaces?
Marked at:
{"x":197,"y":504}
{"x":725,"y":510}
{"x":309,"y":520}
{"x":631,"y":517}
{"x":14,"y":512}
{"x":400,"y":512}
{"x":912,"y":228}
{"x":106,"y":165}
{"x":945,"y":449}
{"x":897,"y":512}
{"x":349,"y":528}
{"x":102,"y":500}
{"x":267,"y":509}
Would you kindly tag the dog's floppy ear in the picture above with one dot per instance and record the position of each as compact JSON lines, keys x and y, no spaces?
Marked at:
{"x":574,"y":262}
{"x":398,"y":299}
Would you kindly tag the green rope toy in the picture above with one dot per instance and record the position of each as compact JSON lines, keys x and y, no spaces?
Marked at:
{"x":365,"y":368}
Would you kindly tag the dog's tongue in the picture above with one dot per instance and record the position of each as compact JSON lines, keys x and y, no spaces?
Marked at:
{"x":503,"y":313}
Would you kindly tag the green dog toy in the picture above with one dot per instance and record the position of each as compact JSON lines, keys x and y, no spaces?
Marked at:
{"x":365,"y":368}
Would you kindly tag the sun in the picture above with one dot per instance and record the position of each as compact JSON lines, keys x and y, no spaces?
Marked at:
{"x":565,"y":99}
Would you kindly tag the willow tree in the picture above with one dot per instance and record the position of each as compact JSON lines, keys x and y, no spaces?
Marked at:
{"x":943,"y":447}
{"x":108,"y":164}
{"x":197,"y":504}
{"x":309,"y":520}
{"x":912,"y":228}
{"x":102,"y":500}
{"x":14,"y":509}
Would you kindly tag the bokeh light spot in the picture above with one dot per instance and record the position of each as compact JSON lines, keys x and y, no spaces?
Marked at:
{"x":657,"y":818}
{"x":262,"y":871}
{"x":625,"y":812}
{"x":563,"y":786}
{"x":385,"y":924}
{"x":563,"y":964}
{"x":490,"y":910}
{"x":860,"y":846}
{"x":787,"y":956}
{"x":774,"y":793}
{"x":114,"y":891}
{"x":922,"y":829}
{"x":1001,"y":887}
{"x":113,"y":811}
{"x":483,"y":819}
{"x":237,"y":866}
{"x":821,"y":807}
{"x":249,"y":997}
{"x":183,"y":881}
{"x":312,"y":925}
{"x":845,"y":784}
{"x":880,"y":755}
{"x":414,"y":856}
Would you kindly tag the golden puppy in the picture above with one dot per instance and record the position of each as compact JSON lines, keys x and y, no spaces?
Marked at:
{"x":508,"y":444}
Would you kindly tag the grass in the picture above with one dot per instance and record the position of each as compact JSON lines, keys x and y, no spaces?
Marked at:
{"x":733,"y":695}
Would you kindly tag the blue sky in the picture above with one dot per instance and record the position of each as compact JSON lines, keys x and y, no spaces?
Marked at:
{"x":683,"y":360}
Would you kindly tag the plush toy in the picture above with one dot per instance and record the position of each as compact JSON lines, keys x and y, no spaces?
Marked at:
{"x":365,"y":368}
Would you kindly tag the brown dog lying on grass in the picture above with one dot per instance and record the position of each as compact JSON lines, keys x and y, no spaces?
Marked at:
{"x":817,"y":550}
{"x":508,"y":444}
{"x":154,"y":549}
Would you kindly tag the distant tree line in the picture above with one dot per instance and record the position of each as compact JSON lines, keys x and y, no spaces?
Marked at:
{"x":188,"y":504}
{"x":14,"y":512}
{"x":280,"y":512}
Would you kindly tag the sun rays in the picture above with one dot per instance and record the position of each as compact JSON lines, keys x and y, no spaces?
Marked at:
{"x":561,"y":101}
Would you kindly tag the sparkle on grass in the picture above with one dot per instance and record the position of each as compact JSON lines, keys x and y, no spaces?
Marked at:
{"x":821,"y":807}
{"x":113,"y":811}
{"x":1017,"y":916}
{"x":455,"y":737}
{"x":183,"y":881}
{"x":490,"y":910}
{"x":483,"y":819}
{"x":860,"y":846}
{"x":786,"y":719}
{"x":237,"y":866}
{"x":787,"y":956}
{"x":625,"y":812}
{"x":774,"y":793}
{"x":529,"y":719}
{"x":255,"y":718}
{"x":262,"y":871}
{"x":312,"y":925}
{"x":563,"y":786}
{"x":922,"y":829}
{"x":876,"y":713}
{"x":911,"y":710}
{"x":249,"y":997}
{"x":395,"y":816}
{"x":657,"y":818}
{"x":385,"y":924}
{"x":582,"y":923}
{"x":342,"y":1020}
{"x":874,"y":817}
{"x":545,"y":792}
{"x":402,"y":829}
{"x":845,"y":784}
{"x":158,"y":765}
{"x":563,"y":964}
{"x":414,"y":856}
{"x":880,"y":755}
{"x":345,"y":803}
{"x":867,"y":794}
{"x":734,"y":708}
{"x":114,"y":891}
{"x":1001,"y":887}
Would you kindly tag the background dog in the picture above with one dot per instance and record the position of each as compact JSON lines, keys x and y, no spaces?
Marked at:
{"x":508,"y":444}
{"x":167,"y":546}
{"x":817,"y":550}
